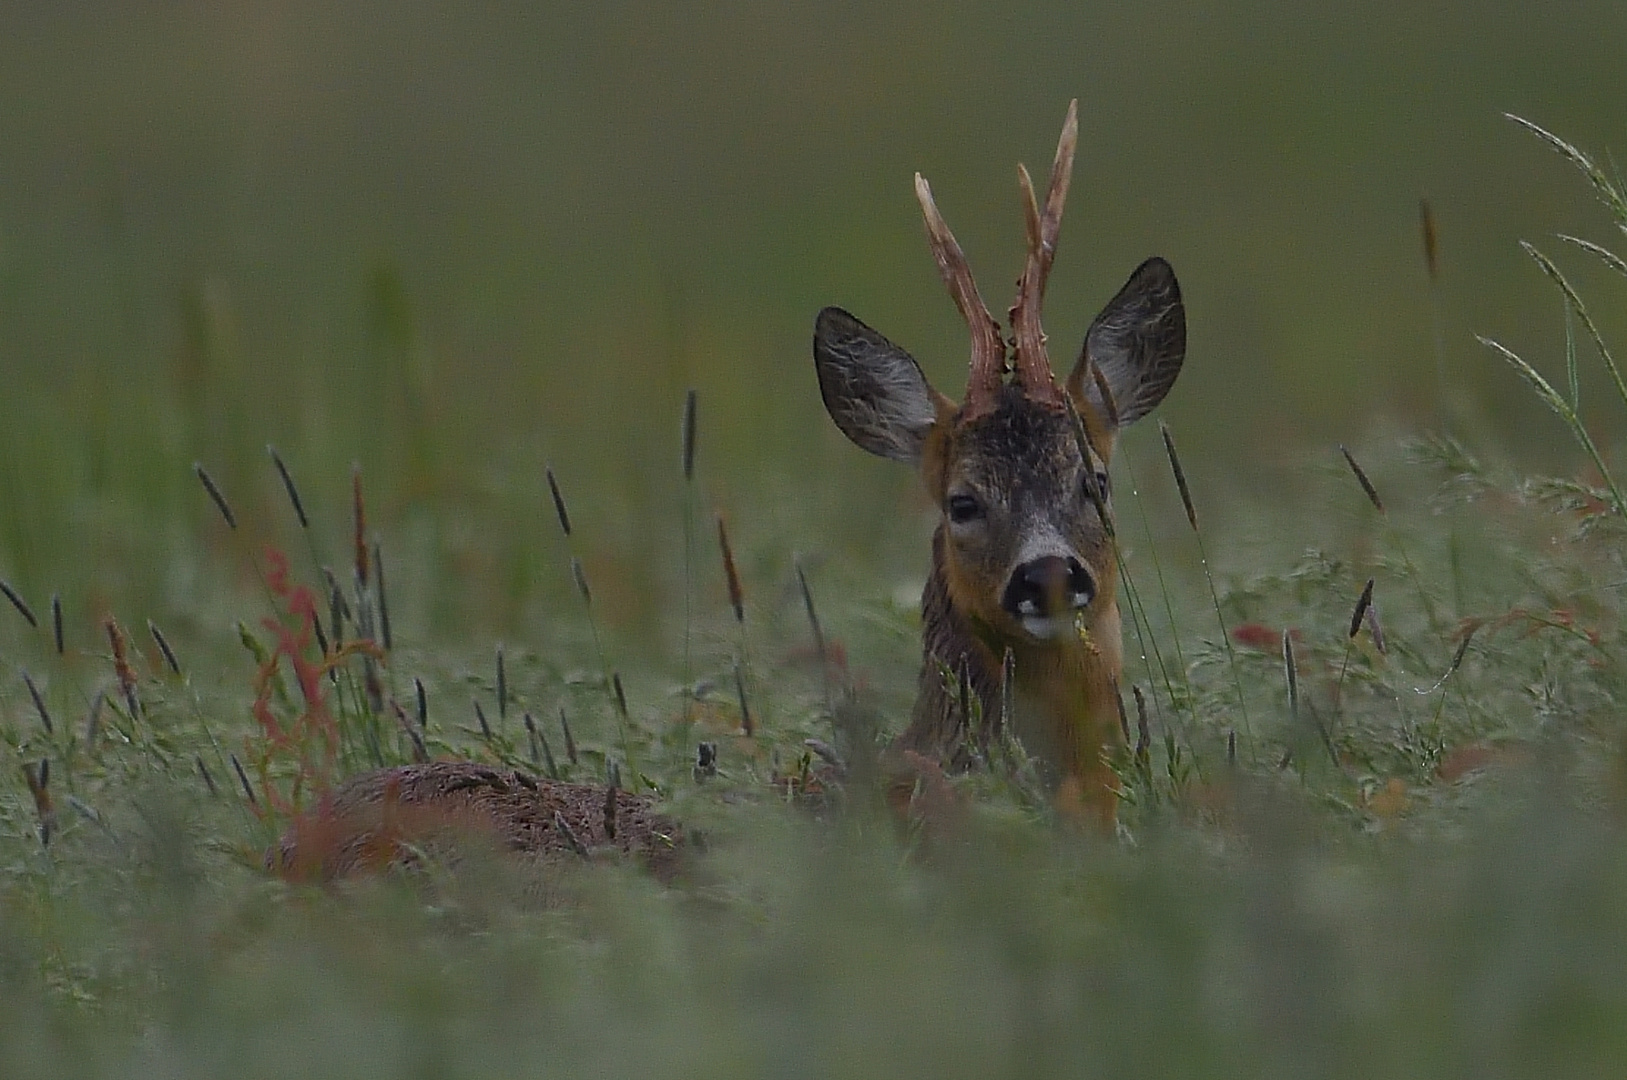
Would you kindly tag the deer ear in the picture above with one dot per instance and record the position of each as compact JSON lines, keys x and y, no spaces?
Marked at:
{"x":1137,"y":344}
{"x":874,"y":390}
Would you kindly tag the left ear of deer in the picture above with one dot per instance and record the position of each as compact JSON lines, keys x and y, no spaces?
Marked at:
{"x":1137,"y":345}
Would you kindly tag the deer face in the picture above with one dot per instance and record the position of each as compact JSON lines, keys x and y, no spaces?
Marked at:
{"x":1019,"y":469}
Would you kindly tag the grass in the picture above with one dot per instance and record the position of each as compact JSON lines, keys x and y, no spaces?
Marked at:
{"x":1418,"y":873}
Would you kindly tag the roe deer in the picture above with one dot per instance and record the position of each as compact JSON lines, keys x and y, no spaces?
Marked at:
{"x":1023,"y":560}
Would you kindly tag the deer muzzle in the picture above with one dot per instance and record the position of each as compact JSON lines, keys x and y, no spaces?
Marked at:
{"x":1043,"y":594}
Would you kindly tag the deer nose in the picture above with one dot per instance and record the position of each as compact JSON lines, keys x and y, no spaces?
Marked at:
{"x":1048,"y":586}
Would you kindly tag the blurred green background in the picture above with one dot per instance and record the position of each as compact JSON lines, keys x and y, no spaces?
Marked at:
{"x":452,"y":242}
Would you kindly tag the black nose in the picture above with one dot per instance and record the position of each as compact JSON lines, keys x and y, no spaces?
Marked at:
{"x":1048,"y":586}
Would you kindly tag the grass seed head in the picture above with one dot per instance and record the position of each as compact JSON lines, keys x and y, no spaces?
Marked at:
{"x":359,"y":511}
{"x":243,"y":778}
{"x":423,"y":703}
{"x":581,"y":578}
{"x":1362,"y":607}
{"x":1180,"y":474}
{"x":1426,"y":227}
{"x":383,"y":600}
{"x":689,"y":435}
{"x":56,"y":622}
{"x":480,"y":715}
{"x":39,"y":703}
{"x":164,"y":647}
{"x":19,"y":603}
{"x":559,"y":502}
{"x":502,"y":685}
{"x":565,"y":729}
{"x":1361,"y":478}
{"x":737,"y":599}
{"x":288,"y":486}
{"x":203,"y":771}
{"x":213,"y":489}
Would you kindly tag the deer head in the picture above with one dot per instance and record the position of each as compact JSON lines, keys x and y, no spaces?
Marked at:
{"x":1019,"y":468}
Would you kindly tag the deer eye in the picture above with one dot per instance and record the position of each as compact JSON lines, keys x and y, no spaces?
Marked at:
{"x":964,"y":508}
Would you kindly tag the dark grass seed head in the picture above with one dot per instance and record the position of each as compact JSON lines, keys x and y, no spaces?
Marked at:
{"x":1180,"y":474}
{"x":243,"y":779}
{"x":383,"y":601}
{"x":581,"y":578}
{"x":423,"y":703}
{"x":570,"y":742}
{"x":19,"y":603}
{"x":1362,"y":607}
{"x":1290,"y":669}
{"x":1361,"y":478}
{"x":213,"y":489}
{"x":502,"y":685}
{"x":621,"y":694}
{"x":288,"y":486}
{"x":731,"y":575}
{"x":359,"y":513}
{"x":480,"y":715}
{"x":39,"y":703}
{"x":1431,"y":239}
{"x":559,"y":502}
{"x":813,"y":614}
{"x":203,"y":771}
{"x":689,"y":435}
{"x":1375,"y":627}
{"x":164,"y":647}
{"x":747,"y":724}
{"x":56,"y":623}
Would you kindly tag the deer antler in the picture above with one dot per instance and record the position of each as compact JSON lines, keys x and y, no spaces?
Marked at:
{"x":988,"y":347}
{"x":1032,"y":363}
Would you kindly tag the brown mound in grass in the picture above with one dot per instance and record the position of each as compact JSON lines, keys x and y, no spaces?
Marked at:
{"x":389,"y":817}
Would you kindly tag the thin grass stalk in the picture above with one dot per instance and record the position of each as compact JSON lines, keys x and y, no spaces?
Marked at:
{"x":687,"y":438}
{"x":383,"y":600}
{"x":1208,"y":576}
{"x":818,"y":633}
{"x":1574,"y":302}
{"x":579,"y":575}
{"x":1138,"y":608}
{"x":1555,"y":401}
{"x":1393,"y":534}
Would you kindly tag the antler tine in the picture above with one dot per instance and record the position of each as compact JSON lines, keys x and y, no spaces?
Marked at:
{"x":988,"y":347}
{"x":1032,"y":362}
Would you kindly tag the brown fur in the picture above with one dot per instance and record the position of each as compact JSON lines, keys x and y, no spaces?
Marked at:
{"x":385,"y":818}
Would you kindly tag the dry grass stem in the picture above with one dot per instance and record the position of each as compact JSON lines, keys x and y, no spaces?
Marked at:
{"x":730,"y":573}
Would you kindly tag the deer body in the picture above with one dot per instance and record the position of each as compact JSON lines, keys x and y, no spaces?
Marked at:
{"x":1024,"y":563}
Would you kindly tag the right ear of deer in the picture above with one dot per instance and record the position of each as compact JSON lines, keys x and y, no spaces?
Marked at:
{"x":873,"y":389}
{"x":1136,"y":345}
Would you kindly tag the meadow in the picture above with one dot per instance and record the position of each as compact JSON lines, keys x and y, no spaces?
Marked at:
{"x":1375,"y":775}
